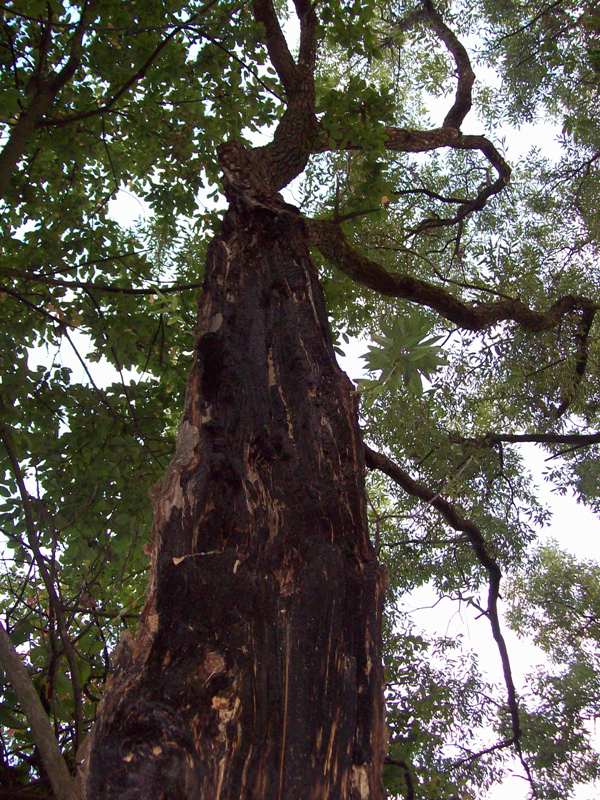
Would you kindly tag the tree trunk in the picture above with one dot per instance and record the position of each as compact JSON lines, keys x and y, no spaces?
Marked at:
{"x":256,"y":673}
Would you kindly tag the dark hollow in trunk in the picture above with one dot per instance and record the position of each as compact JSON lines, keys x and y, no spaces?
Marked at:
{"x":256,"y":673}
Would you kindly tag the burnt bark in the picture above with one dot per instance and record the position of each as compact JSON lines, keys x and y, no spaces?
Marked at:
{"x":256,"y":672}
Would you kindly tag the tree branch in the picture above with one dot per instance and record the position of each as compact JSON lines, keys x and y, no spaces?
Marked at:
{"x":63,"y":785}
{"x":465,"y":75}
{"x":277,"y":46}
{"x":308,"y":39}
{"x":410,"y":140}
{"x":99,"y":287}
{"x":456,"y":520}
{"x":581,"y":359}
{"x":408,"y":778}
{"x":490,"y":439}
{"x":260,"y":172}
{"x":60,"y":122}
{"x":32,"y":540}
{"x":44,"y":90}
{"x":329,"y":239}
{"x":486,"y":750}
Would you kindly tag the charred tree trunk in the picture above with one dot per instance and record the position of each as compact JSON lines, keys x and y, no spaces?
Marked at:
{"x":256,"y":673}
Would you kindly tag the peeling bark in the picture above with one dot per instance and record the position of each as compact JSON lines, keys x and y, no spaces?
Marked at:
{"x":256,"y":672}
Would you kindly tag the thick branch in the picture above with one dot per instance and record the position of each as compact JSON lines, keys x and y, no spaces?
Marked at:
{"x":329,"y":238}
{"x":308,"y":37}
{"x":58,"y":80}
{"x":62,"y":783}
{"x":20,"y":135}
{"x":277,"y":46}
{"x":261,"y":172}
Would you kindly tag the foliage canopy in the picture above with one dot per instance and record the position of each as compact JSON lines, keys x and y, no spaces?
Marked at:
{"x":475,"y":282}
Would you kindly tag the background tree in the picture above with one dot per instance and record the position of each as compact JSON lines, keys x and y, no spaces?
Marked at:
{"x":479,"y":296}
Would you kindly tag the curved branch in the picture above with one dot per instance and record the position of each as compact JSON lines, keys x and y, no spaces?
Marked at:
{"x":465,"y":75}
{"x":329,"y":239}
{"x":460,"y":523}
{"x":410,"y":140}
{"x":416,"y":141}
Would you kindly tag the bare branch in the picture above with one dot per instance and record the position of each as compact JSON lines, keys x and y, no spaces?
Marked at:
{"x":490,"y":439}
{"x":106,"y":287}
{"x":486,"y":750}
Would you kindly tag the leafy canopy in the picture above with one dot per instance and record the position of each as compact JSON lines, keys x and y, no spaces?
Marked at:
{"x":96,"y":333}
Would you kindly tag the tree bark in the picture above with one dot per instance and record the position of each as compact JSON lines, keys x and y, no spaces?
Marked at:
{"x":256,"y":672}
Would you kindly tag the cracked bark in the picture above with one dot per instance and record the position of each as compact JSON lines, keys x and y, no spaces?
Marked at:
{"x":256,"y":671}
{"x":257,"y":668}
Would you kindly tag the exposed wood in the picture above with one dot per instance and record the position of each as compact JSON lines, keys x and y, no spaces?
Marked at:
{"x":256,"y":672}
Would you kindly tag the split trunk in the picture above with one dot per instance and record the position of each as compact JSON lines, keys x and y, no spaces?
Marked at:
{"x":256,"y":673}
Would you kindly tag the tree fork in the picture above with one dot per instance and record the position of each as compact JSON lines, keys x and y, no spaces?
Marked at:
{"x":256,"y":671}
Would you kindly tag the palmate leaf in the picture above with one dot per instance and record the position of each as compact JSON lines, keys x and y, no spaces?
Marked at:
{"x":404,"y":353}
